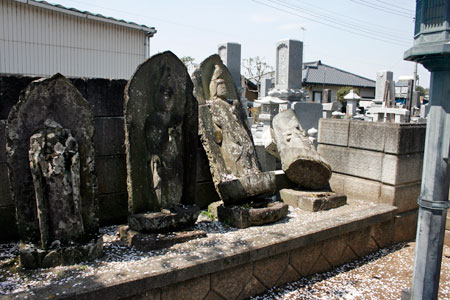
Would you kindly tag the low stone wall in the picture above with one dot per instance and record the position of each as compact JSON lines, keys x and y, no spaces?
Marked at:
{"x":106,"y":99}
{"x":376,"y":162}
{"x":259,"y":259}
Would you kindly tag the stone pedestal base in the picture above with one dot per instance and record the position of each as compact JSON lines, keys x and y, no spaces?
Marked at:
{"x":148,"y":242}
{"x":175,"y":218}
{"x":312,"y":201}
{"x":31,"y":257}
{"x":243,"y":217}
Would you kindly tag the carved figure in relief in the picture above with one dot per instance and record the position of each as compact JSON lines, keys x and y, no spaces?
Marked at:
{"x":163,"y":136}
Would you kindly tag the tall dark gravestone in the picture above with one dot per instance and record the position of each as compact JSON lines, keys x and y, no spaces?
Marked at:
{"x":52,"y":174}
{"x":161,"y":135}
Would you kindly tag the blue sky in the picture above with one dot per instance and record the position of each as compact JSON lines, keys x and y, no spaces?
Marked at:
{"x":359,"y":36}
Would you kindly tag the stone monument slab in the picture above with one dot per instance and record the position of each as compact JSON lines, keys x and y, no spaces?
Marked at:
{"x":47,"y":101}
{"x":230,"y":53}
{"x":51,"y":170}
{"x":289,"y":60}
{"x":225,"y":135}
{"x":160,"y":135}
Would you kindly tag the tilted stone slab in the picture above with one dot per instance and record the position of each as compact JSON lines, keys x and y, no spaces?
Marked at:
{"x":148,"y":242}
{"x":176,"y":218}
{"x":299,"y":158}
{"x":49,"y":100}
{"x":225,"y":135}
{"x":243,"y":217}
{"x":160,"y":134}
{"x":312,"y":201}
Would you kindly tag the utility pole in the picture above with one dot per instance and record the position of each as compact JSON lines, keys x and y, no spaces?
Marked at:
{"x":432,"y":20}
{"x":416,"y":78}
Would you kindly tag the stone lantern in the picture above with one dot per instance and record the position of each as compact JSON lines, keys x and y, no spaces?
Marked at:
{"x":352,"y":99}
{"x":432,"y":49}
{"x":270,"y":107}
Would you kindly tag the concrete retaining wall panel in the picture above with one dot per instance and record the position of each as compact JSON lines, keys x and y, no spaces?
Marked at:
{"x":333,"y":132}
{"x":367,"y":135}
{"x":404,"y":138}
{"x":402,"y":196}
{"x":402,"y":169}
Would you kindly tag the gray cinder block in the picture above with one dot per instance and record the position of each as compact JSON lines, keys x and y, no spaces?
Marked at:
{"x":367,"y":135}
{"x":402,"y":169}
{"x":402,"y":196}
{"x":333,"y":132}
{"x":404,"y":138}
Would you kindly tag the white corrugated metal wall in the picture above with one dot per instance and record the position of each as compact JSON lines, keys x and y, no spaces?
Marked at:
{"x":39,"y":41}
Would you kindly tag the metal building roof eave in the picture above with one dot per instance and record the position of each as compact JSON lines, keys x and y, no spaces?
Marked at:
{"x":150,"y":31}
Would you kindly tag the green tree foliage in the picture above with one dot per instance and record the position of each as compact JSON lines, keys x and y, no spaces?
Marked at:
{"x":189,"y":62}
{"x":344,"y":91}
{"x":423,"y":91}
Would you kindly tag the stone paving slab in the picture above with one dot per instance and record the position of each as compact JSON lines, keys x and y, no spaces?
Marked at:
{"x":217,"y":252}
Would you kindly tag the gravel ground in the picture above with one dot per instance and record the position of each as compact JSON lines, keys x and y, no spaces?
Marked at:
{"x":381,"y":275}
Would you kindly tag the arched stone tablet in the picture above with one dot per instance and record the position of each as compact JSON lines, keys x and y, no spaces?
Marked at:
{"x":161,"y":134}
{"x":45,"y":101}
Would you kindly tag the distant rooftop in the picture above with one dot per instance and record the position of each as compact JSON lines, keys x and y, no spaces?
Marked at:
{"x":88,"y":15}
{"x":317,"y":73}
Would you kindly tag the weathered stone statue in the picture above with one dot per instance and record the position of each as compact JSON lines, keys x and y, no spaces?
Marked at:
{"x":226,"y":136}
{"x":299,"y":158}
{"x":161,"y":134}
{"x":51,"y":170}
{"x":55,"y":167}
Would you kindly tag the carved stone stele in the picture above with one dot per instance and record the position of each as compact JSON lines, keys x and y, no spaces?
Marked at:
{"x":50,"y":157}
{"x":43,"y":102}
{"x":160,"y":135}
{"x":299,"y":158}
{"x":225,"y":135}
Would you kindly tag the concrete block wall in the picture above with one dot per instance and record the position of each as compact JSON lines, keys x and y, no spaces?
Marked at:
{"x":376,"y":162}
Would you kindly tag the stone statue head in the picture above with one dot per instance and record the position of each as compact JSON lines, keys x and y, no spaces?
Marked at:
{"x":218,"y":87}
